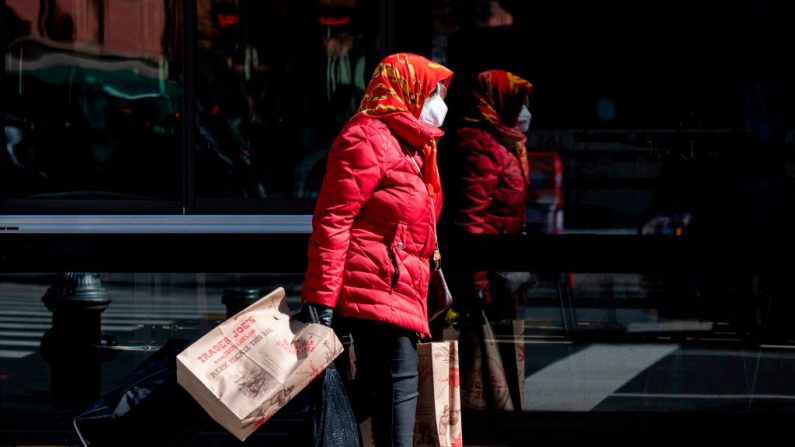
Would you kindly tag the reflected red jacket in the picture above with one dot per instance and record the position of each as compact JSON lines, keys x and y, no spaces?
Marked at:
{"x":373,"y":230}
{"x":492,"y":189}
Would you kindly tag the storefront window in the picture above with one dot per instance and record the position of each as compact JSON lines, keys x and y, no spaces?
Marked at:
{"x":144,"y":311}
{"x":91,"y":99}
{"x":680,"y":114}
{"x":576,"y":342}
{"x":275,"y":83}
{"x":610,"y":342}
{"x":635,"y":129}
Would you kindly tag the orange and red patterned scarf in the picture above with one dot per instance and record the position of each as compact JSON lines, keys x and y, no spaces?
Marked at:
{"x":400,"y":85}
{"x":499,"y":96}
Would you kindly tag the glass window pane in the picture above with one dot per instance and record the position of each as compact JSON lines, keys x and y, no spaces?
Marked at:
{"x":573,"y":342}
{"x":145,"y":310}
{"x":91,"y":97}
{"x":275,"y":83}
{"x":656,"y":131}
{"x":585,"y":342}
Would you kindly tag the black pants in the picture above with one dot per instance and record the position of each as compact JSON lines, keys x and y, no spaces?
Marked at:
{"x":385,"y":388}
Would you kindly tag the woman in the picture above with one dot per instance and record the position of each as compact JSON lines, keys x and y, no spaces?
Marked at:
{"x":492,"y":175}
{"x":374,"y":234}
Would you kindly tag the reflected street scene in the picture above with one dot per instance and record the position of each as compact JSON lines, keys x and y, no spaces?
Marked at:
{"x":92,"y":99}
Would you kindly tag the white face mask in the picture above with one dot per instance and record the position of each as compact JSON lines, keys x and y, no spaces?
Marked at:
{"x":523,"y":123}
{"x":434,"y":111}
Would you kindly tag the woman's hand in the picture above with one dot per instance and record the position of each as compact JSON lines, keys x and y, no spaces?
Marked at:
{"x":315,"y":313}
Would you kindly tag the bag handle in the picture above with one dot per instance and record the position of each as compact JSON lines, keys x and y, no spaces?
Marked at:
{"x":437,"y":255}
{"x":313,"y":316}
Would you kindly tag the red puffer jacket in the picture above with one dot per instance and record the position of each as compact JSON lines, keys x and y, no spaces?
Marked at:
{"x":492,"y":189}
{"x":373,"y":230}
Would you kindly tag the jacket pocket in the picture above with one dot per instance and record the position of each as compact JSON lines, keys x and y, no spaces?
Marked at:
{"x":395,"y":276}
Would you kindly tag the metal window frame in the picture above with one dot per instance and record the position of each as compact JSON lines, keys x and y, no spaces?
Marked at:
{"x":188,"y":110}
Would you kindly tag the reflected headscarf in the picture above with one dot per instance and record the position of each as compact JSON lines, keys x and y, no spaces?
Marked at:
{"x":499,"y":96}
{"x":400,"y":85}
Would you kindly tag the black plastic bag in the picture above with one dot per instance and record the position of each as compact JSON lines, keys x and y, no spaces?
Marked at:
{"x":148,"y":407}
{"x":332,"y":419}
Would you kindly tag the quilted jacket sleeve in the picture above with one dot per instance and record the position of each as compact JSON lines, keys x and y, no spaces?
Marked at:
{"x":352,"y":174}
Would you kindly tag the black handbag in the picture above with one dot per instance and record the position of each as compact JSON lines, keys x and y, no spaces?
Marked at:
{"x":147,"y":408}
{"x":439,"y":297}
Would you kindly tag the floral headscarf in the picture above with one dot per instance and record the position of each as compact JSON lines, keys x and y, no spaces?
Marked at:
{"x":499,"y":96}
{"x":400,"y":85}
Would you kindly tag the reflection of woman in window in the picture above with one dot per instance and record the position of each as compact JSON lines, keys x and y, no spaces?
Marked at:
{"x":493,"y":175}
{"x":493,"y":168}
{"x":374,"y":234}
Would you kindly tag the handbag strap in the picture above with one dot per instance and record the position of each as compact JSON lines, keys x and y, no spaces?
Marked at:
{"x":437,"y":255}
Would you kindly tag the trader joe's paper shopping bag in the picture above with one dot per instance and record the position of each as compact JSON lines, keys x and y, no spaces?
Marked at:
{"x":250,"y":366}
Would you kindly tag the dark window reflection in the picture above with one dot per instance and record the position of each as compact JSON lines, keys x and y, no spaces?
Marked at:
{"x":146,"y":310}
{"x":677,"y":113}
{"x":275,"y":82}
{"x":579,"y":342}
{"x":584,"y":342}
{"x":91,"y":96}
